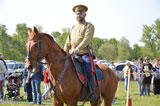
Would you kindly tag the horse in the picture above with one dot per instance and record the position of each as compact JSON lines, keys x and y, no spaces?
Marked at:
{"x":42,"y":46}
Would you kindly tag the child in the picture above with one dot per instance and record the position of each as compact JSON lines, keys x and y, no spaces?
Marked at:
{"x":126,"y":71}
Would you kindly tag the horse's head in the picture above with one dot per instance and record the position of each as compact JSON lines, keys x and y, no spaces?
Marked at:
{"x":36,"y":49}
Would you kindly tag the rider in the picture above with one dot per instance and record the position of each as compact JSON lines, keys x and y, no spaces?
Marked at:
{"x":79,"y":41}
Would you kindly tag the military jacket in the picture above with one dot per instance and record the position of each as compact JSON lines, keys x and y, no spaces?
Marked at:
{"x":80,"y":37}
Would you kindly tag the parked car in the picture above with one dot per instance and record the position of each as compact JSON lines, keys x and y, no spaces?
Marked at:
{"x":119,"y":70}
{"x":104,"y":62}
{"x":124,"y":61}
{"x":10,"y":61}
{"x":12,"y":67}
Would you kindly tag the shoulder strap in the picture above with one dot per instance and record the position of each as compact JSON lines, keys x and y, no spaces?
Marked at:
{"x":85,"y":28}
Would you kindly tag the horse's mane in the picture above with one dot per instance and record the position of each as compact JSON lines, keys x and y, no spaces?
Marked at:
{"x":52,"y":40}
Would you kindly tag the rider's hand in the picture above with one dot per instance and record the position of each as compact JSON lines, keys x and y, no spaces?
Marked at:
{"x":74,"y":51}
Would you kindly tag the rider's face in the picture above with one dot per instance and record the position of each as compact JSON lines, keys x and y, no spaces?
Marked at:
{"x":80,"y":16}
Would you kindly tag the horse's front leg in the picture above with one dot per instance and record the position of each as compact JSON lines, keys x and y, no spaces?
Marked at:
{"x":57,"y":103}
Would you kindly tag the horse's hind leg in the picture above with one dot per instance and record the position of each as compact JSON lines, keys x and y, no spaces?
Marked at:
{"x":107,"y":103}
{"x":108,"y":98}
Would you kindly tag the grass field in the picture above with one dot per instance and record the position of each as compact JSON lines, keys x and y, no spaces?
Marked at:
{"x":153,"y":100}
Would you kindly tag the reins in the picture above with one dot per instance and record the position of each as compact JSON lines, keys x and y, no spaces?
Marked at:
{"x":53,"y":89}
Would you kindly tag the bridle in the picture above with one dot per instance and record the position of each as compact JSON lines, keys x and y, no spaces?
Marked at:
{"x":38,"y":59}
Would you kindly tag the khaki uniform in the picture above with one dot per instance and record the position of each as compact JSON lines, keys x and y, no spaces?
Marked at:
{"x":80,"y":37}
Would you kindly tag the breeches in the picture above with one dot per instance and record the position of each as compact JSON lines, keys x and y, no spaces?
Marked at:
{"x":88,"y":64}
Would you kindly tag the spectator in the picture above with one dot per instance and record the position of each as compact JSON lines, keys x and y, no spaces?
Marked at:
{"x":46,"y":83}
{"x":19,"y":70}
{"x":138,"y":75}
{"x":3,"y":77}
{"x":25,"y":73}
{"x":126,"y":71}
{"x":3,"y":70}
{"x":146,"y":80}
{"x":28,"y":87}
{"x":112,"y":66}
{"x":156,"y":82}
{"x":36,"y":84}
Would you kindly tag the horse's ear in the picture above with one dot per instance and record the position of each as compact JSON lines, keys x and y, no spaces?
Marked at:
{"x":35,"y":30}
{"x":29,"y":31}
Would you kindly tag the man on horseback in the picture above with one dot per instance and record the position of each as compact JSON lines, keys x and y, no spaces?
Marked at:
{"x":79,"y":41}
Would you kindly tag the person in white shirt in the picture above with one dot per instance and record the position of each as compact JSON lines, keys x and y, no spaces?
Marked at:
{"x":3,"y":70}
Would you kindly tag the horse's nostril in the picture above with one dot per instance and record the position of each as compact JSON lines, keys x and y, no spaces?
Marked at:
{"x":30,"y":67}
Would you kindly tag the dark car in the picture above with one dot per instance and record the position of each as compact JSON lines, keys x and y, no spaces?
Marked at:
{"x":119,"y":71}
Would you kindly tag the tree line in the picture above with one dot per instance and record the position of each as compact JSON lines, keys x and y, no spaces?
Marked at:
{"x":13,"y":46}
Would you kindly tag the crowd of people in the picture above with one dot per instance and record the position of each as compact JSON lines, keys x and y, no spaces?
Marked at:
{"x":32,"y":82}
{"x":143,"y":75}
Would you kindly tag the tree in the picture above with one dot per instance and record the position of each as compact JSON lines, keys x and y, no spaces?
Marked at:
{"x":97,"y":42}
{"x":137,"y":52}
{"x":114,"y":42}
{"x":15,"y":49}
{"x":150,"y":40}
{"x":20,"y":39}
{"x":4,"y":41}
{"x":124,"y":49}
{"x":107,"y":51}
{"x":157,"y":34}
{"x":55,"y":35}
{"x":157,"y":28}
{"x":62,"y":39}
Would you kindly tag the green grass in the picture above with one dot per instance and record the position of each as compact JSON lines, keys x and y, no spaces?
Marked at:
{"x":153,"y":100}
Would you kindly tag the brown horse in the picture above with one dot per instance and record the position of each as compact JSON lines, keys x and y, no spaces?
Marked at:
{"x":41,"y":45}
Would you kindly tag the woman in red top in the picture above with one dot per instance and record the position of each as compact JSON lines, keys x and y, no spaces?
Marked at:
{"x":46,"y":84}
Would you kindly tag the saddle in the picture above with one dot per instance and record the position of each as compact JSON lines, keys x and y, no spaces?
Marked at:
{"x":80,"y":70}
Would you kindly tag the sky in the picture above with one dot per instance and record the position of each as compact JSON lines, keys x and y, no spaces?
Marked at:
{"x":111,"y":18}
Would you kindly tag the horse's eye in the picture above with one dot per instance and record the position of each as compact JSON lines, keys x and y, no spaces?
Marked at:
{"x":35,"y":46}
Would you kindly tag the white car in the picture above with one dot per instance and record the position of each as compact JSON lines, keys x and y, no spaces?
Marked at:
{"x":12,"y":67}
{"x":10,"y":61}
{"x":119,"y":71}
{"x":104,"y":62}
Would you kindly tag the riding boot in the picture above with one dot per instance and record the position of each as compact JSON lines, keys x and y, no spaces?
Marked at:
{"x":92,"y":87}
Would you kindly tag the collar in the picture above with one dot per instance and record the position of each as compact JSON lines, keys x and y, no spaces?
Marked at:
{"x":83,"y":22}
